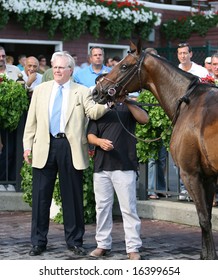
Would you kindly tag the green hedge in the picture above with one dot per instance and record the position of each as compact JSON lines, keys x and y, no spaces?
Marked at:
{"x":88,"y":193}
{"x":159,"y":125}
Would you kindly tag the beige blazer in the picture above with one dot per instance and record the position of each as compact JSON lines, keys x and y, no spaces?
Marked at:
{"x":36,"y":133}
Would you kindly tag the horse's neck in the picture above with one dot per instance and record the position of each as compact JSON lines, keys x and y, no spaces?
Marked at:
{"x":166,"y":84}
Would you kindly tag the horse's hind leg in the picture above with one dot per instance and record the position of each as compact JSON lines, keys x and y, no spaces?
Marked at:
{"x":202,"y":192}
{"x":209,"y":186}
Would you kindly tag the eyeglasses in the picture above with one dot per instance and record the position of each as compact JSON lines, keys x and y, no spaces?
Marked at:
{"x":61,"y":68}
{"x":183,"y":45}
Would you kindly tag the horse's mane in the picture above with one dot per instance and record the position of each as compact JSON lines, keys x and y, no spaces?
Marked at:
{"x":188,"y":75}
{"x":193,"y":78}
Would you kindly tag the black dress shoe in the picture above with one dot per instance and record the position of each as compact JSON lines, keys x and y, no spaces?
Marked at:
{"x":37,"y":250}
{"x":77,"y":250}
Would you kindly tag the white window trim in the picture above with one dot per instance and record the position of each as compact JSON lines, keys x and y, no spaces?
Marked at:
{"x":124,"y":48}
{"x":58,"y":44}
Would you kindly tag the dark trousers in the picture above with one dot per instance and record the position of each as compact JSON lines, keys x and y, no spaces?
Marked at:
{"x":8,"y":156}
{"x":71,"y":189}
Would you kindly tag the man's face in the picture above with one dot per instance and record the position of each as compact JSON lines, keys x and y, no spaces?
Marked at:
{"x":2,"y":58}
{"x":183,"y":54}
{"x":61,"y":70}
{"x":214,"y":66}
{"x":31,"y":65}
{"x":97,"y":57}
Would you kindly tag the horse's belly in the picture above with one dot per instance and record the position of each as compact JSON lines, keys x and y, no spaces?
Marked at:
{"x":191,"y":146}
{"x":209,"y":145}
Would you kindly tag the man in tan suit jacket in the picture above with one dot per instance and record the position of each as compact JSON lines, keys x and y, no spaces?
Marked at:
{"x":65,"y":153}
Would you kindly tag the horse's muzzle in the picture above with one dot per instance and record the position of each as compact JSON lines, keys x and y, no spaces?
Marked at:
{"x":98,"y":97}
{"x":95,"y":95}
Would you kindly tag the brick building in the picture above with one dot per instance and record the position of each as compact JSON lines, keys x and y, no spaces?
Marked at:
{"x":16,"y":41}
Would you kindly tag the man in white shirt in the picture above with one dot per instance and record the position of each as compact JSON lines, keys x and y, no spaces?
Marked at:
{"x":30,"y":74}
{"x":11,"y":71}
{"x":184,"y":54}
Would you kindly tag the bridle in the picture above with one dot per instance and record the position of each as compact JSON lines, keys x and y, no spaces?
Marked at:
{"x":122,"y":84}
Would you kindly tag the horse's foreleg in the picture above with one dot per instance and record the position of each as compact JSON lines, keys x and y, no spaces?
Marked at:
{"x":201,"y":192}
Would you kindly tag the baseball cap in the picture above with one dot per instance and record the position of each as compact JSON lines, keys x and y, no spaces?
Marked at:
{"x":208,"y":60}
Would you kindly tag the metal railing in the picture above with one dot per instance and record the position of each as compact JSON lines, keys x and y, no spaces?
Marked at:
{"x":15,"y":155}
{"x":172,"y":181}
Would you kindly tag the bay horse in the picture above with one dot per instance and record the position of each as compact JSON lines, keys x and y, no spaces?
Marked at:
{"x":193,"y":108}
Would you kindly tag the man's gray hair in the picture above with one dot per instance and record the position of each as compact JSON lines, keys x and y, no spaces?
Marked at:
{"x":71,"y":61}
{"x":214,"y":55}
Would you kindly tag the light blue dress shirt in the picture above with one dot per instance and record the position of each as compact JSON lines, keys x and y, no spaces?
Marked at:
{"x":86,"y":76}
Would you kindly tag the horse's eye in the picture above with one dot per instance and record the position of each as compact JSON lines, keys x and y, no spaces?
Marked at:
{"x":124,"y":67}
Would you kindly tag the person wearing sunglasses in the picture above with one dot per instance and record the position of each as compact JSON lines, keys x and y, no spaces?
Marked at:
{"x":184,"y":54}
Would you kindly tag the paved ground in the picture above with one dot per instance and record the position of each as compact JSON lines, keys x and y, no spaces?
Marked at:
{"x":161,"y":240}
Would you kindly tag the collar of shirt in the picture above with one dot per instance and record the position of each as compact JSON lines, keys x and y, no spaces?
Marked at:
{"x":104,"y":69}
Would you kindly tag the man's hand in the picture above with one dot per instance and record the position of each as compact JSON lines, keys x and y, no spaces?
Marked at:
{"x":105,"y":144}
{"x":27,"y":156}
{"x":31,"y":78}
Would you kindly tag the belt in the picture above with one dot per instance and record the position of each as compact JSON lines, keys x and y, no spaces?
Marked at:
{"x":59,"y":135}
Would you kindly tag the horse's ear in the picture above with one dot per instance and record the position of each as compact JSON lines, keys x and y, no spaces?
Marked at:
{"x":133,"y":47}
{"x":139,"y":46}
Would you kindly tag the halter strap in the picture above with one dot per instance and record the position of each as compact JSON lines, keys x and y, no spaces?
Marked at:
{"x":136,"y":69}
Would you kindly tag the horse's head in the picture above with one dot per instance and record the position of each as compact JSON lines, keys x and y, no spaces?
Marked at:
{"x":124,"y":78}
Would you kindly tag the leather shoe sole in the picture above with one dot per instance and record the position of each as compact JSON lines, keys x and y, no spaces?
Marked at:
{"x":77,"y":250}
{"x":99,"y":252}
{"x":37,"y":250}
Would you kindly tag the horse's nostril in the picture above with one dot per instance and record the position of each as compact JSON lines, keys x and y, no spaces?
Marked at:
{"x":95,"y":94}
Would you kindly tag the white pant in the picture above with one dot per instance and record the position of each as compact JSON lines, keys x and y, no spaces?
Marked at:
{"x":124,"y":184}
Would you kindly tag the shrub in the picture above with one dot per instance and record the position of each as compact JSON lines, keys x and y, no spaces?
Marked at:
{"x":88,"y":193}
{"x":159,"y":125}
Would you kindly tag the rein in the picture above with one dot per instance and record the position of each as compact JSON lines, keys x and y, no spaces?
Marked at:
{"x":136,"y":70}
{"x":127,"y":79}
{"x":137,"y":138}
{"x":185,"y":98}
